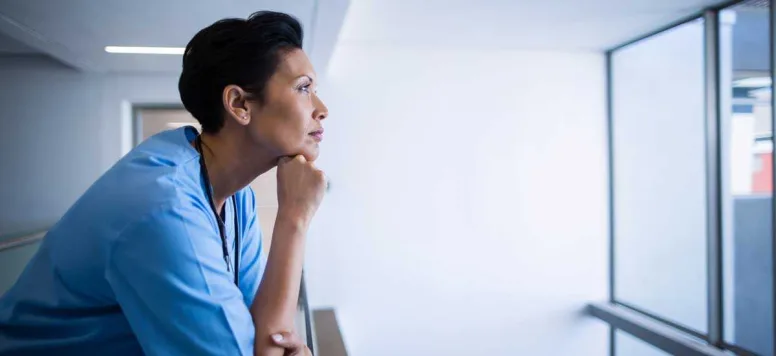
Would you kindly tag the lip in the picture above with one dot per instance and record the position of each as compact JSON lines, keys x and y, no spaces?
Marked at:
{"x":317,"y":135}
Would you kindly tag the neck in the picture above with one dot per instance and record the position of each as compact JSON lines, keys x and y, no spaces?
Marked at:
{"x":232,"y":163}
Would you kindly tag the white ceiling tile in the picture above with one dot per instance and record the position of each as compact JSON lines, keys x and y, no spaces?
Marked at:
{"x":505,"y":24}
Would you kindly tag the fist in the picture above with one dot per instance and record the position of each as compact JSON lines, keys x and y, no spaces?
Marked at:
{"x":292,"y":344}
{"x":300,"y":188}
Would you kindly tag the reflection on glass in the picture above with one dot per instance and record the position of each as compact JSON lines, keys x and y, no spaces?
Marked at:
{"x":747,"y":146}
{"x":627,"y":345}
{"x":658,"y":128}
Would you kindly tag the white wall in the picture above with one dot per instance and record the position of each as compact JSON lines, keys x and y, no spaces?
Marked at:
{"x":49,"y":147}
{"x":60,"y":130}
{"x":467,"y":212}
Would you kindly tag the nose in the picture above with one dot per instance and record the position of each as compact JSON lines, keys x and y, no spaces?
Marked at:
{"x":321,"y":111}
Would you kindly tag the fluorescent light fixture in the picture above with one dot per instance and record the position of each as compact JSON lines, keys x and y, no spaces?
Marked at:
{"x":145,"y":50}
{"x":753,"y":82}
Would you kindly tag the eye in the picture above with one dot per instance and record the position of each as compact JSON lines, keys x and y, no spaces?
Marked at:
{"x":305,"y":88}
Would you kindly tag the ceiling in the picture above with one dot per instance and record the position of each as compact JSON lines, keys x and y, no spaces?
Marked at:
{"x":76,"y":31}
{"x":510,"y":24}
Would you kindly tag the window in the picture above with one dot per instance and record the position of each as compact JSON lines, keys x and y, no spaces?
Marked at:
{"x":692,"y":171}
{"x":747,"y":190}
{"x":658,"y":142}
{"x":626,"y":344}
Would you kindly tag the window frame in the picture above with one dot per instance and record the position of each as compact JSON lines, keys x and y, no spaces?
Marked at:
{"x":625,"y":317}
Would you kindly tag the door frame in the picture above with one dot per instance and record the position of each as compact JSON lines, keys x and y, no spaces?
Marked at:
{"x":137,"y":117}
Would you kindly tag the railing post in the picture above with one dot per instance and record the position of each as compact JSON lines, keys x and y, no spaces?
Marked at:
{"x":713,"y":186}
{"x":772,"y":44}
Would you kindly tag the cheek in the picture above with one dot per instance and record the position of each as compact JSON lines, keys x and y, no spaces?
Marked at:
{"x":296,"y":121}
{"x":286,"y":127}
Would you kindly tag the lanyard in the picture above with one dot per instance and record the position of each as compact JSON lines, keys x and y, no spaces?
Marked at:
{"x":221,"y":225}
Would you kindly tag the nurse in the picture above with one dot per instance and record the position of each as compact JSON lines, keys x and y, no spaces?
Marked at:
{"x":161,"y":256}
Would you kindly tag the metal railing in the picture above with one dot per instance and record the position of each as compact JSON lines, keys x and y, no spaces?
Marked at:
{"x":303,"y":307}
{"x":321,"y":330}
{"x":657,"y":334}
{"x":17,"y":241}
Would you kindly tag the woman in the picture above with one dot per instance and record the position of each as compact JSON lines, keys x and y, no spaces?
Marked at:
{"x":162,"y":254}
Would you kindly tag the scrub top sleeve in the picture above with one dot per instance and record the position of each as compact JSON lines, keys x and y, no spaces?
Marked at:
{"x":169,"y":277}
{"x":253,"y":261}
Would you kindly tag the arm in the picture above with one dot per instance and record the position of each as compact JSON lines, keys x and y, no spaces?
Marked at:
{"x":252,"y":271}
{"x":275,"y":304}
{"x":300,"y":190}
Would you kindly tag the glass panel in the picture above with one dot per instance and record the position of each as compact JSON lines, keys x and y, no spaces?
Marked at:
{"x":659,"y":175}
{"x":627,"y":345}
{"x":747,"y":148}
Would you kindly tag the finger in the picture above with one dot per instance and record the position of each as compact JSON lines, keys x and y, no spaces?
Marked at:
{"x":304,"y":351}
{"x":301,"y":158}
{"x":284,"y":160}
{"x":288,"y":341}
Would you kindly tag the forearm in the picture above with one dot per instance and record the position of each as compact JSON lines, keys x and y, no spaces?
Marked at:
{"x":275,"y":304}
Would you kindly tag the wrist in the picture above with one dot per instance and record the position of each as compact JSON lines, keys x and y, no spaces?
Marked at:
{"x":292,"y":218}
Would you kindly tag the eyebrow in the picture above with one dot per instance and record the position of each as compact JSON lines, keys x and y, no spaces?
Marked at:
{"x":306,"y":76}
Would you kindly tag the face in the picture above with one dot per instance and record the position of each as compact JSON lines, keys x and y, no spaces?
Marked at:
{"x":288,"y":122}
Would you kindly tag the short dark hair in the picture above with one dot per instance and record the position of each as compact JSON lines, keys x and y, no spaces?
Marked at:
{"x":242,"y":52}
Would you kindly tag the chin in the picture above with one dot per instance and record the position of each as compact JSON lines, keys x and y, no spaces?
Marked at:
{"x":311,"y":153}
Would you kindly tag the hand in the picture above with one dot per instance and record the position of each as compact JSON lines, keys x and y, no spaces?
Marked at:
{"x":300,"y":188}
{"x":292,"y":345}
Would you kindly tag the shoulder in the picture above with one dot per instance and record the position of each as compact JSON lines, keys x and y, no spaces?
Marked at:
{"x":167,"y":148}
{"x":172,"y":226}
{"x":169,"y":216}
{"x":160,"y":173}
{"x":138,"y":187}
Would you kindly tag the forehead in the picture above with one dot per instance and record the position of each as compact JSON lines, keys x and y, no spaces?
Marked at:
{"x":294,"y":64}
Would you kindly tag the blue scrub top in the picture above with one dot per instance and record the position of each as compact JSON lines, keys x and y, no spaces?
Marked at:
{"x":136,"y":266}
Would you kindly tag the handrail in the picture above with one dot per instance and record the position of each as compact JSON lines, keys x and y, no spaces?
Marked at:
{"x":9,"y":243}
{"x":651,"y":332}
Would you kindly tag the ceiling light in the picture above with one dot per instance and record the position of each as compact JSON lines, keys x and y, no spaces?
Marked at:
{"x":145,"y":50}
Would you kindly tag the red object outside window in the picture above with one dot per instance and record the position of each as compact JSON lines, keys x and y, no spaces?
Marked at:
{"x":762,"y":179}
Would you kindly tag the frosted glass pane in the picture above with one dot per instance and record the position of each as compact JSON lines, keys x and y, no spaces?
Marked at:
{"x":627,"y":345}
{"x":659,"y":175}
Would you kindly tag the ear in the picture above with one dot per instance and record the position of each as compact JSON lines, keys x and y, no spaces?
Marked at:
{"x":236,"y":104}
